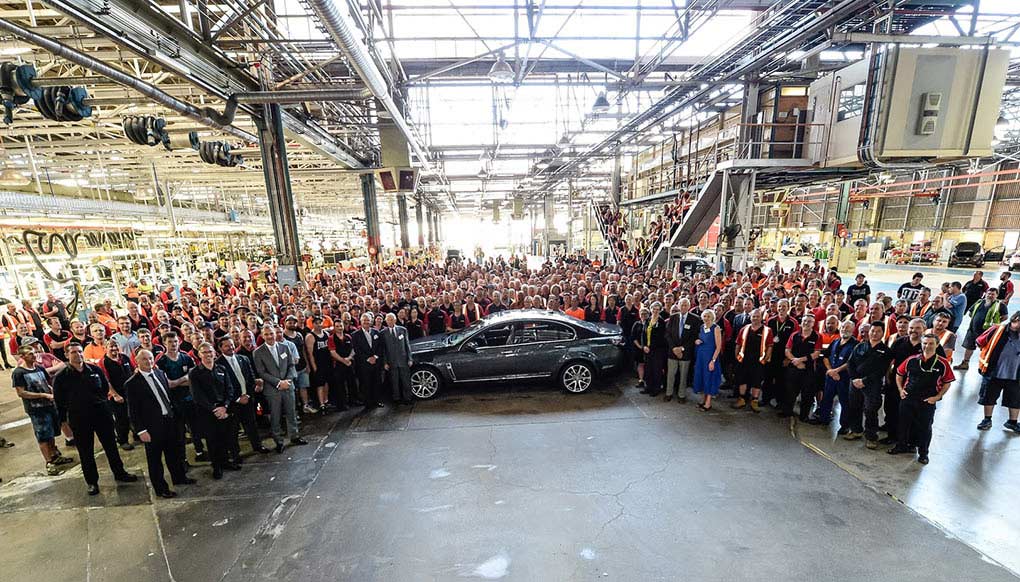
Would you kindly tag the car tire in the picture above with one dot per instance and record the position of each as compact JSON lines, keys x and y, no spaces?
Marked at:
{"x":425,"y":382}
{"x":577,"y":376}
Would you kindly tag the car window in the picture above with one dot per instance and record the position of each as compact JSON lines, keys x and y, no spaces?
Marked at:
{"x":494,"y":337}
{"x":541,"y":331}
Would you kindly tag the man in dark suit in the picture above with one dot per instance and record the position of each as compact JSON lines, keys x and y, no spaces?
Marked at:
{"x":397,"y":359}
{"x":153,"y":420}
{"x":211,"y":394}
{"x":681,"y":333}
{"x":243,"y":387}
{"x":368,"y":352}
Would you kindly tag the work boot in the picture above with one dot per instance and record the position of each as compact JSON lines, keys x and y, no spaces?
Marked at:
{"x":962,"y":366}
{"x":853,"y":436}
{"x":739,"y":404}
{"x":755,"y":407}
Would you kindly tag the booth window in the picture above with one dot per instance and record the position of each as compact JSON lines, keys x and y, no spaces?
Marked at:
{"x":851,"y":102}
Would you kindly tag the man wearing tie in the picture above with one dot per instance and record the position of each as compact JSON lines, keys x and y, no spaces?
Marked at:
{"x":397,"y":350}
{"x":275,"y":366}
{"x":368,"y":350}
{"x":681,"y":333}
{"x":153,"y":419}
{"x":243,"y":386}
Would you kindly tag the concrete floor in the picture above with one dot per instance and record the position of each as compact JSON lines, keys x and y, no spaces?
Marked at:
{"x":526,"y":483}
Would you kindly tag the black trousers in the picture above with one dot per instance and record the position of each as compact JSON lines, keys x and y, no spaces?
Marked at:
{"x":121,"y":422}
{"x":802,"y":383}
{"x":369,"y":383}
{"x":89,"y":425}
{"x":243,"y":416}
{"x":344,"y":386}
{"x":219,"y":434}
{"x":865,"y":402}
{"x":3,"y":352}
{"x":914,"y":428}
{"x":772,"y":381}
{"x":166,"y":447}
{"x":891,"y":406}
{"x":187,"y":422}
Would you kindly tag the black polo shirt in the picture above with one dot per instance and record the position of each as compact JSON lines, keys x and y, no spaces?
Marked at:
{"x":782,"y":331}
{"x":923,"y":377}
{"x":79,"y":393}
{"x":870,"y":362}
{"x":903,"y":349}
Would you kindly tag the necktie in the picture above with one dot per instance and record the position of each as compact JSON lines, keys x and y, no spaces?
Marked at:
{"x":158,"y":388}
{"x":237,"y":372}
{"x":276,"y":354}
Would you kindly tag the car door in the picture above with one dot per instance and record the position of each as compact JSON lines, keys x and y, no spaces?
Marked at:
{"x":484,"y":355}
{"x":539,"y":346}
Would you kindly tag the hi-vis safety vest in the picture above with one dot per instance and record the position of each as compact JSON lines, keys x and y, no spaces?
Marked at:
{"x":766,"y":338}
{"x":989,"y":348}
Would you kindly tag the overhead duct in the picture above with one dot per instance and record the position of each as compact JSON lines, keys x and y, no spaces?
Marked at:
{"x":344,"y":36}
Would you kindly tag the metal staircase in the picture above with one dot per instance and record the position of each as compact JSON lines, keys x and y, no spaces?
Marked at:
{"x":599,"y":210}
{"x":695,"y":222}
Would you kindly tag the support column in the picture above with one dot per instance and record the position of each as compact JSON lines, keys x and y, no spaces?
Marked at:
{"x":405,"y":239}
{"x":548,"y":211}
{"x":418,"y":217}
{"x":570,"y":219}
{"x":430,"y":225}
{"x":371,"y":216}
{"x":281,"y":200}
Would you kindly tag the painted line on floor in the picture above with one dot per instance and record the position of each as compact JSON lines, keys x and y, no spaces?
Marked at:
{"x":15,"y":423}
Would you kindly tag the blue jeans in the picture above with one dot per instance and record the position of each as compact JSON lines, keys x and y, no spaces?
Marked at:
{"x":281,"y":402}
{"x":834,"y":389}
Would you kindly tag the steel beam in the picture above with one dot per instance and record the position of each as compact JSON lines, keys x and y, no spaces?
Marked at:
{"x":156,"y":36}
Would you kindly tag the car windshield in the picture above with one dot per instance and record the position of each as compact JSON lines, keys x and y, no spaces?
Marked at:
{"x":459,"y":335}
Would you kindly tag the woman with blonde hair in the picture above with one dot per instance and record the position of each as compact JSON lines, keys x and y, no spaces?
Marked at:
{"x":707,"y":370}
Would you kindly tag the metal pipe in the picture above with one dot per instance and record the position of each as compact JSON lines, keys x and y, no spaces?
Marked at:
{"x":205,"y":116}
{"x":345,"y":37}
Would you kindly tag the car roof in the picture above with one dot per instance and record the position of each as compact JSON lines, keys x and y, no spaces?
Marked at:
{"x":521,"y":314}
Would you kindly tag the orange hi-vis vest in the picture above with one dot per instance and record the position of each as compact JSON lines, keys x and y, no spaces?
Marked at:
{"x":765,"y":339}
{"x":989,"y":348}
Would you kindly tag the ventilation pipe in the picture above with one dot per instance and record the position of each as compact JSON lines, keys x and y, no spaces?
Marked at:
{"x":344,"y":36}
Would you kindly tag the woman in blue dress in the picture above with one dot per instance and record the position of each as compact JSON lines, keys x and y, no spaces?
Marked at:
{"x":707,"y":371}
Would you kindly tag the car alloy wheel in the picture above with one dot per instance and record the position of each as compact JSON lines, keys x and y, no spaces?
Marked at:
{"x":424,"y":384}
{"x":576,"y":377}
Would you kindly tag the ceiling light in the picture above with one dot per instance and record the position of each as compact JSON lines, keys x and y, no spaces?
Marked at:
{"x":601,"y":104}
{"x":1001,"y":127}
{"x":501,"y":71}
{"x":564,"y":141}
{"x":483,"y":173}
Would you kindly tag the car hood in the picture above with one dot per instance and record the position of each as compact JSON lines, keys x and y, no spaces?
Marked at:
{"x":428,"y":343}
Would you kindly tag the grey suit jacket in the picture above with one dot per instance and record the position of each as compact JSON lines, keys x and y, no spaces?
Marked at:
{"x":267,"y":368}
{"x":397,"y":345}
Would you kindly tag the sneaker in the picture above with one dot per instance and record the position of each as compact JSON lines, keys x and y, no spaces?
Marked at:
{"x":127,"y":447}
{"x":853,"y":436}
{"x":53,"y":470}
{"x":739,"y":404}
{"x":309,"y":409}
{"x":755,"y":407}
{"x":1012,"y":425}
{"x":871,"y":444}
{"x":62,"y":460}
{"x":640,"y":384}
{"x":985,"y":424}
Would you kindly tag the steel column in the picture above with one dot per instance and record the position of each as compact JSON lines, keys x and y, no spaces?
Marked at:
{"x":273,"y":147}
{"x":418,"y":217}
{"x":371,"y":215}
{"x":405,"y":239}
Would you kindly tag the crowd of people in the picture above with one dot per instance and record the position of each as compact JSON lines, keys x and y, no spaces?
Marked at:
{"x":201,"y":365}
{"x":638,"y":250}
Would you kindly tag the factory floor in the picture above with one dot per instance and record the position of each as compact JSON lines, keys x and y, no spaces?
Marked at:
{"x":529,"y":483}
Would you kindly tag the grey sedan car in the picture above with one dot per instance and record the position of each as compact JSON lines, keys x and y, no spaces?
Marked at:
{"x":517,"y":345}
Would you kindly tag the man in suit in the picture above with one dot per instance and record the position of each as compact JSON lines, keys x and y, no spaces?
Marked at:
{"x":274,"y":364}
{"x":153,"y":419}
{"x":211,"y":393}
{"x":681,"y":333}
{"x":397,"y":359}
{"x":243,"y":386}
{"x":368,"y":351}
